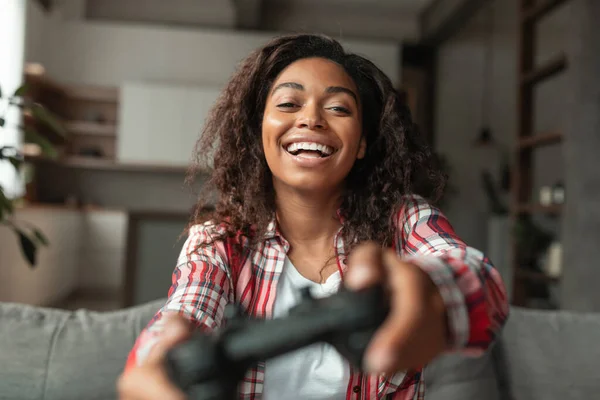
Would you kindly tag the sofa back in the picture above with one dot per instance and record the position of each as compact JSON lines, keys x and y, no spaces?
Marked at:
{"x":53,"y":354}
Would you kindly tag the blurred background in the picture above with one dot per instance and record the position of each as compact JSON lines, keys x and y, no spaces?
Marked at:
{"x":503,"y":90}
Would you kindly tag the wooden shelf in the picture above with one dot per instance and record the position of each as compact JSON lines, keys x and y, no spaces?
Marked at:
{"x":540,"y":139}
{"x":527,"y":140}
{"x":79,"y":92}
{"x":91,"y":128}
{"x":549,"y":69}
{"x":92,"y":93}
{"x":65,"y":207}
{"x":539,"y":10}
{"x":103,"y":164}
{"x":534,"y":276}
{"x":554,"y":209}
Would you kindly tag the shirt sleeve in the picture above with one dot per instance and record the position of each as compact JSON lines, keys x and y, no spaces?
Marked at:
{"x":472,"y":289}
{"x":201,"y":288}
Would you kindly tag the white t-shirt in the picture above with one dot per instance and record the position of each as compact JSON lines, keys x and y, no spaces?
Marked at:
{"x":316,"y":372}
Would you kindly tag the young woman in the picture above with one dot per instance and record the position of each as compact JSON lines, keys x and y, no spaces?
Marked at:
{"x":322,"y":180}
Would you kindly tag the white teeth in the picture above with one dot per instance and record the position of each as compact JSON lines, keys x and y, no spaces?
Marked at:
{"x":310,"y":146}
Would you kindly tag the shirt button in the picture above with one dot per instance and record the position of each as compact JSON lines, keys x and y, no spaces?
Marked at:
{"x":356,"y":389}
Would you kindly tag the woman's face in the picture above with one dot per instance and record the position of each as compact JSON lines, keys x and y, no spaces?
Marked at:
{"x":312,"y":126}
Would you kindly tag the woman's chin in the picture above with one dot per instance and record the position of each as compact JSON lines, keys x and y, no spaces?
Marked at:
{"x":309,"y":184}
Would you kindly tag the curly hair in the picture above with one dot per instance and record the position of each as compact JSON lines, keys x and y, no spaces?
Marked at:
{"x":397,"y":162}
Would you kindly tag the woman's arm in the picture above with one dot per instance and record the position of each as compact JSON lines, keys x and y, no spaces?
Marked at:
{"x":201,"y":288}
{"x":471,"y":288}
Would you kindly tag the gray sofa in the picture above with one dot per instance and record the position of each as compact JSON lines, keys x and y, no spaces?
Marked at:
{"x":51,"y":354}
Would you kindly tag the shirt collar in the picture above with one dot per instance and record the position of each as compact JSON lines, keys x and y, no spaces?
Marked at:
{"x":273,"y":232}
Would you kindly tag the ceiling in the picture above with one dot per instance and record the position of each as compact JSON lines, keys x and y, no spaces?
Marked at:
{"x":417,"y":5}
{"x":368,"y":19}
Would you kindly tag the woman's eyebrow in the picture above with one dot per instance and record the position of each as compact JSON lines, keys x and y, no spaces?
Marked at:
{"x":330,"y":89}
{"x":292,"y":85}
{"x":341,"y":89}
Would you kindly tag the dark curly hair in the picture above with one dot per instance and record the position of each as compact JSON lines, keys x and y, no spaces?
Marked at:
{"x":397,"y":160}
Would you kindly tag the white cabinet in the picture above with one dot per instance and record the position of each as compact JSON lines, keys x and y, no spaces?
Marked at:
{"x":160,"y":123}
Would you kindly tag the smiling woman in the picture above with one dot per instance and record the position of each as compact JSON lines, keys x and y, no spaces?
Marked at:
{"x":322,"y":181}
{"x":297,"y":89}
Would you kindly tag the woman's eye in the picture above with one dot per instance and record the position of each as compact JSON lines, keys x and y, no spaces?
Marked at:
{"x":286,"y":105}
{"x":340,"y":109}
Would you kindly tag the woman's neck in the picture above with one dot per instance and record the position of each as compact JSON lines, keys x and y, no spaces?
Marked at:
{"x":305,"y":219}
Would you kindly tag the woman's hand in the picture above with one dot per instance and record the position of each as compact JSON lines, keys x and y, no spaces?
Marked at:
{"x":416,"y":329}
{"x":149,"y":380}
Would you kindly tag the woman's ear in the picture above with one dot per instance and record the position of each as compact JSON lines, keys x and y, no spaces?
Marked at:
{"x":362,"y":148}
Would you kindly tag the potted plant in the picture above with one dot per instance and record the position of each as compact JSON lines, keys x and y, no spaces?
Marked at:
{"x":30,"y":237}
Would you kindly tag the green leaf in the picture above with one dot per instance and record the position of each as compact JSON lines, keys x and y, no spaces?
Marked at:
{"x":28,"y":247}
{"x":8,"y":151}
{"x":49,"y":119}
{"x":2,"y":121}
{"x":32,"y":136}
{"x":16,"y":162}
{"x":40,"y":237}
{"x":0,"y":92}
{"x":21,"y":90}
{"x":5,"y":203}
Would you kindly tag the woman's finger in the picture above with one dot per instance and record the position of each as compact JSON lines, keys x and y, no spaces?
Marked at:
{"x":413,"y":333}
{"x":149,"y":380}
{"x":387,"y":348}
{"x":148,"y":383}
{"x":365,"y":267}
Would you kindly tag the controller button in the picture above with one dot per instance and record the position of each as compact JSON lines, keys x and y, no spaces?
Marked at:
{"x":356,"y":389}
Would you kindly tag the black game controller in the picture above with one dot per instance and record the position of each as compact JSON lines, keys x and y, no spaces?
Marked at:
{"x":210,"y":366}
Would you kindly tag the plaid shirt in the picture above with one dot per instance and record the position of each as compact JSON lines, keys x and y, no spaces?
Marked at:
{"x":470,"y":286}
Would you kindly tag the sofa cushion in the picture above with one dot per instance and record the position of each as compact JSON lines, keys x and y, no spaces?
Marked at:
{"x":53,"y":354}
{"x":549,"y":355}
{"x":457,"y":377}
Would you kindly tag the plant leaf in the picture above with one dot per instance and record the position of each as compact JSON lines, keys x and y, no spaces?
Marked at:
{"x":16,"y":162}
{"x":5,"y":204}
{"x":2,"y":122}
{"x":28,"y":247}
{"x":8,"y":151}
{"x":0,"y":92}
{"x":40,"y":237}
{"x":21,"y":90}
{"x":32,"y":136}
{"x":48,"y":118}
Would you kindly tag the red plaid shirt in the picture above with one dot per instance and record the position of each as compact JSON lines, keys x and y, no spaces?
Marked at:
{"x":470,"y":286}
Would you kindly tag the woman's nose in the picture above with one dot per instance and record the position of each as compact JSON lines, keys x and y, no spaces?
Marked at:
{"x":310,"y":117}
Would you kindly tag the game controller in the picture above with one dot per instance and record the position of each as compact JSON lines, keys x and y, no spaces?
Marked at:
{"x":210,"y":366}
